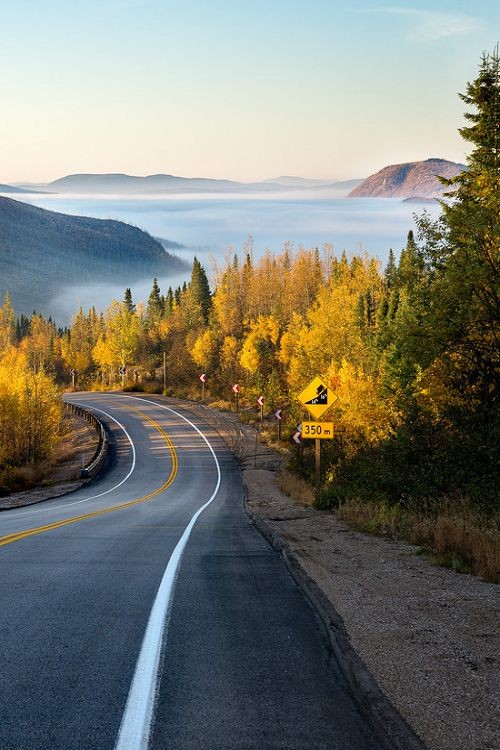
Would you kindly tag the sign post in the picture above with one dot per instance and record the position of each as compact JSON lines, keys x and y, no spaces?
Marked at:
{"x":73,"y":373}
{"x":203,"y":379}
{"x":317,"y":397}
{"x":164,"y":372}
{"x":260,"y":402}
{"x":122,"y":373}
{"x":236,"y":389}
{"x":317,"y":456}
{"x":279,"y":416}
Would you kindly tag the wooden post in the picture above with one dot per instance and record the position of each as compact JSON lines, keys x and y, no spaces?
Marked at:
{"x":318,"y":461}
{"x":164,"y":372}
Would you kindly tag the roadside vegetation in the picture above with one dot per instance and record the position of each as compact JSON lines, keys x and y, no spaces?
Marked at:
{"x":411,"y":350}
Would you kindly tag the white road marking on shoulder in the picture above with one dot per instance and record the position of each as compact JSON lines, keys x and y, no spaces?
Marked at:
{"x":135,"y":726}
{"x":92,"y":497}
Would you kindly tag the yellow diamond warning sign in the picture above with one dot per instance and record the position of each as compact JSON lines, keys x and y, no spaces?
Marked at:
{"x":317,"y":397}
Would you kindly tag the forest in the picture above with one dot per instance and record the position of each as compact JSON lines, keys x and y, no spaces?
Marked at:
{"x":411,"y":351}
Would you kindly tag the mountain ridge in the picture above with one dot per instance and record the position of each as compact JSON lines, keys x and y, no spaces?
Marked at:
{"x":49,"y":251}
{"x":417,"y":179}
{"x":154,"y":183}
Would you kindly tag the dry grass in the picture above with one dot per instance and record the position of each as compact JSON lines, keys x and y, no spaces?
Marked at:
{"x":222,"y":405}
{"x":455,"y":536}
{"x":295,"y":487}
{"x":77,"y":439}
{"x":21,"y":478}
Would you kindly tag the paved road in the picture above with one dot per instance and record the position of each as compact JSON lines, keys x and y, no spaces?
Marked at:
{"x":128,"y":621}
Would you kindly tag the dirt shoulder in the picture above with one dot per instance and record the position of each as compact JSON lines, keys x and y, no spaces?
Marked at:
{"x":75,"y":449}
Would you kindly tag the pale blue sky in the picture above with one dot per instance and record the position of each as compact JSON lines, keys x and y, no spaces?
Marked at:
{"x":245,"y":90}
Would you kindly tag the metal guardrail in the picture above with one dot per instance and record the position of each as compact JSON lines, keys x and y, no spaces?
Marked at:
{"x":90,"y":470}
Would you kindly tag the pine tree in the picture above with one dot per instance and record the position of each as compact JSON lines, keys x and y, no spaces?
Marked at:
{"x":465,"y":256}
{"x":411,"y":264}
{"x":154,"y":309}
{"x":169,"y":301}
{"x":390,"y":272}
{"x":200,"y":290}
{"x":127,"y":300}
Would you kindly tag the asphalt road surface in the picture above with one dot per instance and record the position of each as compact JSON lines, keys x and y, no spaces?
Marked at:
{"x":145,"y":610}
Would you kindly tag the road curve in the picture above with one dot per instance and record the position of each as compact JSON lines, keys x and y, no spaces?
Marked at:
{"x":146,"y":611}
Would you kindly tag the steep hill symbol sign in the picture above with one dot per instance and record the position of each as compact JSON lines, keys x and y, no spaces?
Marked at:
{"x":317,"y":397}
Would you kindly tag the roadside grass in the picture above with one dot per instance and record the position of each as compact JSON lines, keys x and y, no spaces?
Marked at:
{"x":295,"y":487}
{"x":451,"y":534}
{"x":21,"y":478}
{"x":221,"y":404}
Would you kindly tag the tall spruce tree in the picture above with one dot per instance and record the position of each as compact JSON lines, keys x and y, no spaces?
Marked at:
{"x":200,"y":289}
{"x":127,"y":300}
{"x":154,"y":308}
{"x":465,"y":255}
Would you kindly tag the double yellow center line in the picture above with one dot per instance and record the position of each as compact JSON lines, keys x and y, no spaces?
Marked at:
{"x":18,"y":535}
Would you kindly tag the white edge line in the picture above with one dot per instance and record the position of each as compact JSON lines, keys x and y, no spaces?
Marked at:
{"x":101,"y":494}
{"x":136,"y":721}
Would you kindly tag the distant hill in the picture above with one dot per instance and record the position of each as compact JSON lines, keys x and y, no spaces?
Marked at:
{"x":13,"y":189}
{"x":124,"y":184}
{"x":342,"y":187}
{"x":43,"y":252}
{"x":295,"y":182}
{"x":416,"y":179}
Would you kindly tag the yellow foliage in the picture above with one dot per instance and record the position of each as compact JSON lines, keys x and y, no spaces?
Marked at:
{"x":362,"y":412}
{"x":204,"y":348}
{"x":30,"y":411}
{"x":265,"y":330}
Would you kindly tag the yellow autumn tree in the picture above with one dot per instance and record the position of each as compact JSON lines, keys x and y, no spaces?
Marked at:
{"x":204,"y":350}
{"x":30,"y":411}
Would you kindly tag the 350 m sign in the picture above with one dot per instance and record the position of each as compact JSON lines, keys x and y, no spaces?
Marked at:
{"x":317,"y":430}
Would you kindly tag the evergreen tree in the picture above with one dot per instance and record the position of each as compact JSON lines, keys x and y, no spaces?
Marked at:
{"x":154,"y":309}
{"x":127,"y":300}
{"x":411,"y":264}
{"x":169,"y":301}
{"x":200,"y":290}
{"x":464,"y":252}
{"x":390,"y":272}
